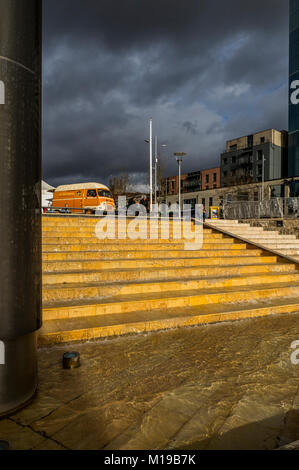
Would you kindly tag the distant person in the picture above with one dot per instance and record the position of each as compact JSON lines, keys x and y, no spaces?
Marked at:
{"x":144,"y":202}
{"x":204,"y":214}
{"x":133,"y":211}
{"x":221,"y":210}
{"x":132,"y":201}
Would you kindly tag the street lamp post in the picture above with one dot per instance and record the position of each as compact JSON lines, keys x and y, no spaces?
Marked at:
{"x":161,"y":167}
{"x":156,"y":167}
{"x":151,"y":164}
{"x":263,"y":178}
{"x":157,"y":155}
{"x":179,"y":159}
{"x":150,"y":142}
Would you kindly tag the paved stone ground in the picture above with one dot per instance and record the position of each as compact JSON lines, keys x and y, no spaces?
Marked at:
{"x":225,"y":386}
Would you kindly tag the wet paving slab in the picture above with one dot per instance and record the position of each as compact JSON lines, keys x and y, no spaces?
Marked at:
{"x":220,"y":386}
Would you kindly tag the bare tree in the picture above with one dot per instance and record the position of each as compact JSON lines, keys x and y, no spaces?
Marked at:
{"x":119,"y":185}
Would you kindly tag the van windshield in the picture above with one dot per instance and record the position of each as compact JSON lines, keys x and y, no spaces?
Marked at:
{"x":104,"y":193}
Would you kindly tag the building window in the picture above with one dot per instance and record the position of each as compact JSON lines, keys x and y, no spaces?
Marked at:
{"x":203,"y":201}
{"x":214,"y":186}
{"x":207,"y":178}
{"x":259,"y":154}
{"x":225,"y":174}
{"x":190,"y":202}
{"x":234,"y":159}
{"x":207,"y":187}
{"x":256,"y":196}
{"x":210,"y":201}
{"x":262,"y":140}
{"x":243,"y":196}
{"x":233,"y":147}
{"x":215,"y":177}
{"x":250,"y":141}
{"x":277,"y":191}
{"x":225,"y":161}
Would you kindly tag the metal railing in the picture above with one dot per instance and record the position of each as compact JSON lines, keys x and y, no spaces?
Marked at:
{"x":275,"y":208}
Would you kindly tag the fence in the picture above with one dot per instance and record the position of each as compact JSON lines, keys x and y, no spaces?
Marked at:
{"x":275,"y":208}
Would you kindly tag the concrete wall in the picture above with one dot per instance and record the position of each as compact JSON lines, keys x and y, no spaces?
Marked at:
{"x":290,"y":226}
{"x":233,"y":193}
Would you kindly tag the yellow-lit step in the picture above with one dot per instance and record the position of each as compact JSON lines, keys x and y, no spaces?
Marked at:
{"x":87,"y":220}
{"x":141,"y":254}
{"x":82,"y":265}
{"x":67,"y":240}
{"x":140,"y":274}
{"x":131,"y":303}
{"x":91,"y":229}
{"x":93,"y":327}
{"x":125,"y":245}
{"x":101,"y":246}
{"x":104,"y":290}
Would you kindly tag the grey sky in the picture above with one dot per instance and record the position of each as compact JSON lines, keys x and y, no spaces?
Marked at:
{"x":205,"y":70}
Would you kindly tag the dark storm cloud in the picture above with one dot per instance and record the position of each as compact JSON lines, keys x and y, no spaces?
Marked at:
{"x":204,"y":70}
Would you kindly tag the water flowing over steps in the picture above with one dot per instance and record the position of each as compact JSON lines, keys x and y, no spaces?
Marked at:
{"x":94,"y":288}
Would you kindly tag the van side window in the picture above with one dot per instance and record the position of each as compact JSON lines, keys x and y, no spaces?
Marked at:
{"x":92,"y":193}
{"x":104,"y":193}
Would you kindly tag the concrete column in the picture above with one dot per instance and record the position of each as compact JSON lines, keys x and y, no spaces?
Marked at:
{"x":20,"y":199}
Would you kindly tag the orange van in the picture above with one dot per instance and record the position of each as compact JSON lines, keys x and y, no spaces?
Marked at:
{"x":84,"y":198}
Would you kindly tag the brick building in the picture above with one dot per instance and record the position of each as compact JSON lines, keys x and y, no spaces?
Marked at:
{"x":192,"y":182}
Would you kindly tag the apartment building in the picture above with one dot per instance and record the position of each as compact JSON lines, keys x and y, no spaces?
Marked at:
{"x":253,"y":158}
{"x":193,"y":182}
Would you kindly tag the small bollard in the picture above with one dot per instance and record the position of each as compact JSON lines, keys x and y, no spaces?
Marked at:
{"x":71,"y":360}
{"x":4,"y":445}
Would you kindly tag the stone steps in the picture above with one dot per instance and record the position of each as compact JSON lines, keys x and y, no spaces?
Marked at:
{"x":284,"y":244}
{"x":102,"y":326}
{"x":94,"y":288}
{"x":130,"y":303}
{"x":144,"y":254}
{"x":269,"y":237}
{"x":104,"y":290}
{"x":156,"y":273}
{"x":98,"y":245}
{"x":89,"y":265}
